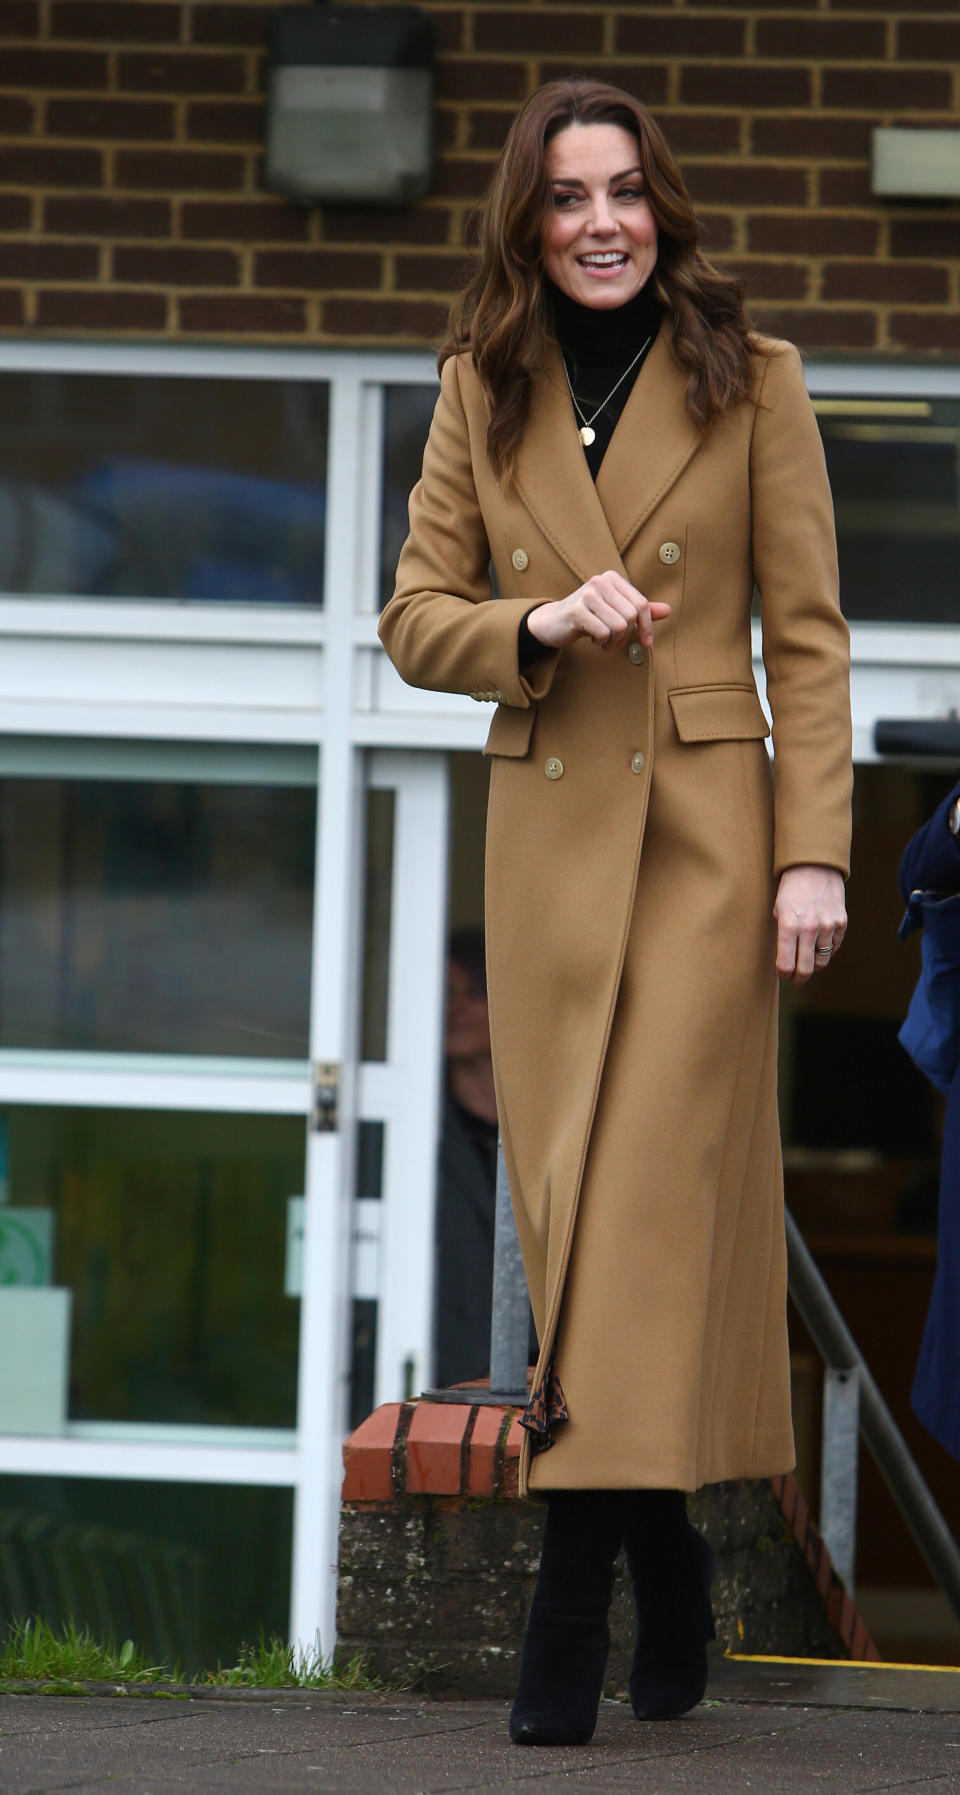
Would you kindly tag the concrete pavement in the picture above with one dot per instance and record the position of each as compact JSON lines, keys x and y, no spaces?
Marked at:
{"x":766,"y":1727}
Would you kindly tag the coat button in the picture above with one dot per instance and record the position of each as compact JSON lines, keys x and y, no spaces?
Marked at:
{"x":635,"y":653}
{"x":554,"y":768}
{"x":669,"y":552}
{"x":521,"y":560}
{"x":637,"y":762}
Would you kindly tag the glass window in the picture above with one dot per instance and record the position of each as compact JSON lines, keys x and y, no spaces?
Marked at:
{"x":156,"y":916}
{"x":894,"y":467}
{"x":407,"y":412}
{"x":143,"y":1254}
{"x":188,"y":1571}
{"x":148,"y":486}
{"x":855,"y":1112}
{"x":377,"y":913}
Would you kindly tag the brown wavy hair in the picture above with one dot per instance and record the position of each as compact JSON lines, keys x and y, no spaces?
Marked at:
{"x":501,"y":315}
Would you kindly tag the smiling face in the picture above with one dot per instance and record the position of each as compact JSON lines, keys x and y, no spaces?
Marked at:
{"x":599,"y":237}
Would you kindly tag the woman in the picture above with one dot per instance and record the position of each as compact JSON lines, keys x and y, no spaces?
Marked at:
{"x":611,"y":434}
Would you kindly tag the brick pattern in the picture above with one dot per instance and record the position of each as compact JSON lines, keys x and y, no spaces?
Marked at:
{"x":438,"y":1557}
{"x":433,"y":1449}
{"x":128,"y":125}
{"x":837,"y":1604}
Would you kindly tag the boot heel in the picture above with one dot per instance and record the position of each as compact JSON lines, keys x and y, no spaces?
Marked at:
{"x":671,"y":1581}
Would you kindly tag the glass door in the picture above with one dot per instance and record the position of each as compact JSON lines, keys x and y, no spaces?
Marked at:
{"x":157,"y":907}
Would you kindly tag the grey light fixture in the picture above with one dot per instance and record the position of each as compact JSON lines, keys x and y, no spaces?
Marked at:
{"x":350,"y":104}
{"x":916,"y":164}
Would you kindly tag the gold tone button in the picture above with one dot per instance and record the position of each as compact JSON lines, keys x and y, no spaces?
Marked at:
{"x":554,"y":768}
{"x":635,"y":653}
{"x":669,"y":552}
{"x":637,"y":762}
{"x":521,"y":560}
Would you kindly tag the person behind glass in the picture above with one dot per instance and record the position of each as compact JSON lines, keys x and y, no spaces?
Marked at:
{"x":931,"y":863}
{"x":634,"y":459}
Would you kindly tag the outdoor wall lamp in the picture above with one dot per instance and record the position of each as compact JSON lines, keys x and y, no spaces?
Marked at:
{"x":350,"y":104}
{"x":916,"y":164}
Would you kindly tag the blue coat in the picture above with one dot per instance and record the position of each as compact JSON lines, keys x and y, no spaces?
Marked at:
{"x":931,"y":862}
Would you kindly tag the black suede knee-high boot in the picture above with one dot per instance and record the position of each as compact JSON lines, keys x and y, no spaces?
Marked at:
{"x":567,"y":1639}
{"x":671,"y":1565}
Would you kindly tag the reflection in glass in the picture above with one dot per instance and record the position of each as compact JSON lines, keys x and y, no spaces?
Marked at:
{"x":156,"y":917}
{"x":189,"y":1572}
{"x":406,"y":422}
{"x":377,"y":911}
{"x":894,"y":467}
{"x":170,"y":1231}
{"x":141,"y":486}
{"x":851,"y":1102}
{"x":371,"y":1138}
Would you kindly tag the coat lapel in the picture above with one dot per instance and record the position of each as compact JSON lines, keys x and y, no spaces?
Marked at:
{"x":651,"y":445}
{"x":553,"y":480}
{"x":592,"y":525}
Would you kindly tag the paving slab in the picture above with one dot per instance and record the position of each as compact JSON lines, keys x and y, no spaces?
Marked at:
{"x":795,"y":1728}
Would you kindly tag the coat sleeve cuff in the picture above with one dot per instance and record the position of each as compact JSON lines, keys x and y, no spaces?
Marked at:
{"x":518,"y":684}
{"x":813,"y":854}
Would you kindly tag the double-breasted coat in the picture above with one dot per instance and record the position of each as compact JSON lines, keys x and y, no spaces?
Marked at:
{"x":634,"y":836}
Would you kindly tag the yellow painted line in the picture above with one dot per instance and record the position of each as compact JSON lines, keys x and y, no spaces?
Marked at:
{"x":949,"y":1670}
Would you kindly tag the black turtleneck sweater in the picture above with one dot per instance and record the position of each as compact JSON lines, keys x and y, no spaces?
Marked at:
{"x":597,"y":347}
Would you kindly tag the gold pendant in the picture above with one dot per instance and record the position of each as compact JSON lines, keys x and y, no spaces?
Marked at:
{"x":587,"y":436}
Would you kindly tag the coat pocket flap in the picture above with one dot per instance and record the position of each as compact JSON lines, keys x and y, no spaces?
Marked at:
{"x":510,"y":731}
{"x":718,"y":713}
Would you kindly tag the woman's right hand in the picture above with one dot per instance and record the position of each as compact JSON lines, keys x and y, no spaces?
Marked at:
{"x":606,"y":608}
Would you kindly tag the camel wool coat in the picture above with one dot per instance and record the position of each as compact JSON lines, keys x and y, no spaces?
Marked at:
{"x":635,"y":834}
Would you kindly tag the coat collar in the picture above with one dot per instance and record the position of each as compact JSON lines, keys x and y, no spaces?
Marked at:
{"x":591,"y":525}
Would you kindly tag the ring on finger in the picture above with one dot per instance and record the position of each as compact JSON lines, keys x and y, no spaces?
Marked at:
{"x":824,"y":953}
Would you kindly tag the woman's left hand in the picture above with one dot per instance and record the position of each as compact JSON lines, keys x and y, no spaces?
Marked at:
{"x":811,"y":920}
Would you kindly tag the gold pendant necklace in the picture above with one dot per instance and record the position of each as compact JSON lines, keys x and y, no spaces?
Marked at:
{"x":586,"y":433}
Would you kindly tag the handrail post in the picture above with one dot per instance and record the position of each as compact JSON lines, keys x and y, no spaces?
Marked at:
{"x":838,"y":1349}
{"x":839,"y":1465}
{"x":510,"y":1313}
{"x":510,"y":1320}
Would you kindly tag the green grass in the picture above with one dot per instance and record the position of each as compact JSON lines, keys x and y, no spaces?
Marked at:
{"x":34,"y":1653}
{"x":273,"y":1664}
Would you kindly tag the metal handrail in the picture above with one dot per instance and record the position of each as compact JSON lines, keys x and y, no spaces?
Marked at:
{"x":891,"y":1454}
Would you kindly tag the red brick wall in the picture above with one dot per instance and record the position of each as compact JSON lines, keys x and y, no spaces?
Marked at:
{"x":130,"y":165}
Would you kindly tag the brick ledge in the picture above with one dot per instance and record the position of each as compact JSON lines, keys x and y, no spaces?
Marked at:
{"x":472,"y":1451}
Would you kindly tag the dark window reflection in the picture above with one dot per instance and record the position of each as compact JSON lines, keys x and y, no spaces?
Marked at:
{"x":140,"y":486}
{"x":894,"y":468}
{"x":190,"y":1572}
{"x":407,"y":414}
{"x":170,"y":1233}
{"x":377,"y":908}
{"x":363,"y":1362}
{"x":147,"y":916}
